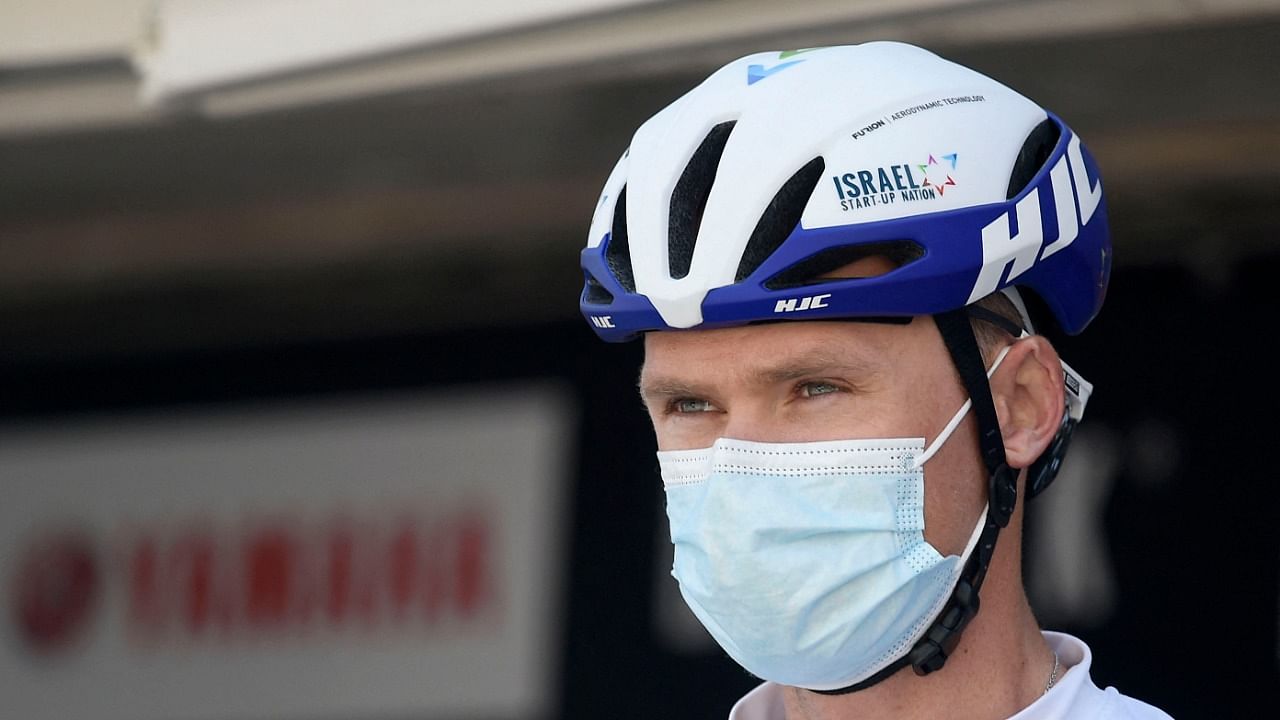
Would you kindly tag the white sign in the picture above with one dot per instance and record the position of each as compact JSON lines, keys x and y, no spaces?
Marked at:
{"x":393,"y":557}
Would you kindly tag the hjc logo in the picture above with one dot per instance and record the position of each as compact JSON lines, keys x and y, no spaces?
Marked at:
{"x":602,"y":321}
{"x":812,"y":302}
{"x":1074,"y":211}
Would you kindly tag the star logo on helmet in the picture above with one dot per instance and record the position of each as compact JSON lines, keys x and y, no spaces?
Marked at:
{"x":756,"y":73}
{"x":937,"y":175}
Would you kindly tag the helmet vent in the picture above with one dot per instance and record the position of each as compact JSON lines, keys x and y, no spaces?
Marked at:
{"x":595,"y":293}
{"x":781,"y":217}
{"x":618,"y":252}
{"x":817,"y":267}
{"x":690,"y":199}
{"x":1036,"y":149}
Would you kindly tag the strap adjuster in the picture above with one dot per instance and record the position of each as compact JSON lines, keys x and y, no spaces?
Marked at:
{"x":1003,"y":494}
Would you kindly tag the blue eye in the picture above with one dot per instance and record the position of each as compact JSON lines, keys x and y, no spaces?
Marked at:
{"x":691,"y":405}
{"x":812,"y":389}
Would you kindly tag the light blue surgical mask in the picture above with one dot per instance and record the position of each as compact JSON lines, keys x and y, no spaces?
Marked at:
{"x":807,"y":561}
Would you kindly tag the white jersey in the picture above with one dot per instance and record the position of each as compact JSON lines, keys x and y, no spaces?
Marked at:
{"x":1074,"y":697}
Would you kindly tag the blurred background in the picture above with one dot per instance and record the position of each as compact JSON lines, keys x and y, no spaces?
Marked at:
{"x":298,"y":418}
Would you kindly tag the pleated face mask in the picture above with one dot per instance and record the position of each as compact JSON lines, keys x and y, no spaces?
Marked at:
{"x":807,"y":561}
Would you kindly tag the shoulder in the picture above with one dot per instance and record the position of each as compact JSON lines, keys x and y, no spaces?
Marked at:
{"x":762,"y":703}
{"x":1115,"y":706}
{"x":1078,"y":697}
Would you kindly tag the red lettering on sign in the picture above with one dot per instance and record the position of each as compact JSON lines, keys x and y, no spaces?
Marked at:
{"x":191,"y":560}
{"x":146,"y":610}
{"x":404,"y":569}
{"x":285,"y":577}
{"x":55,"y":589}
{"x":270,"y":560}
{"x":472,"y":571}
{"x":435,"y":576}
{"x":341,"y":551}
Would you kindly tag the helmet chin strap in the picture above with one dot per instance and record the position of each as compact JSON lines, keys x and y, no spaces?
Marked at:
{"x":933,"y":648}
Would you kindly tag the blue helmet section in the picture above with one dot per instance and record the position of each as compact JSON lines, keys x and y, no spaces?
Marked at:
{"x":968,"y":253}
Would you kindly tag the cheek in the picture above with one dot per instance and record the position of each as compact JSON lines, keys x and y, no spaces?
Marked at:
{"x":954,"y":484}
{"x":933,"y":390}
{"x":954,"y":488}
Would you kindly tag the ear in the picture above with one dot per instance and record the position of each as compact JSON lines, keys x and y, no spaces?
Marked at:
{"x":1029,"y":398}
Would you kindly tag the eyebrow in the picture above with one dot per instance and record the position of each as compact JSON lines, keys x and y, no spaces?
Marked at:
{"x":808,"y":364}
{"x":665,"y":388}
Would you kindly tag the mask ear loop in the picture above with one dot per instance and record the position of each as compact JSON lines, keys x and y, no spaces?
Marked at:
{"x":954,"y":423}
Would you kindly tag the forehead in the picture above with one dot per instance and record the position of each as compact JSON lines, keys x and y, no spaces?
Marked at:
{"x":708,"y":355}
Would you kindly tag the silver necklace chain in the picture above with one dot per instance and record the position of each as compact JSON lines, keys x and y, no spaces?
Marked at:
{"x":1053,"y":676}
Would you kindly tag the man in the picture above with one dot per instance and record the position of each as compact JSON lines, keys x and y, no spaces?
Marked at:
{"x":834,"y":257}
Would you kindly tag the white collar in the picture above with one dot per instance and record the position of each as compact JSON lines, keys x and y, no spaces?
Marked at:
{"x":1073,"y":692}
